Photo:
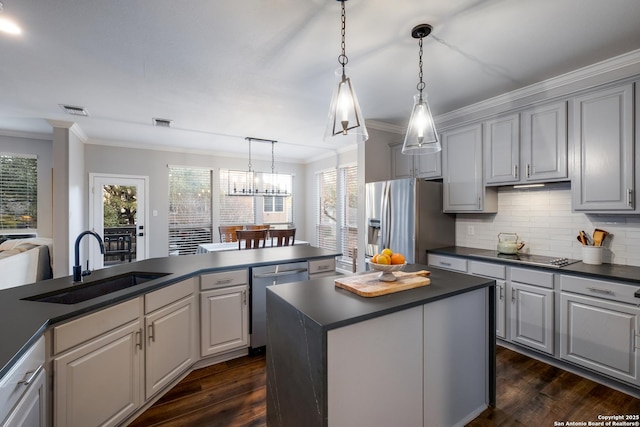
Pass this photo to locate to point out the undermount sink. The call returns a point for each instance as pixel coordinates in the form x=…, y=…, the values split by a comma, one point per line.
x=86, y=291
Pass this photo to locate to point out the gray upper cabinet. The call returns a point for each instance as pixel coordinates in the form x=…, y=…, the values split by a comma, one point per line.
x=428, y=166
x=528, y=147
x=463, y=185
x=502, y=149
x=544, y=143
x=602, y=134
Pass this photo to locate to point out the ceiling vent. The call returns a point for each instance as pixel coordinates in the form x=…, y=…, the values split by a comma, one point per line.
x=75, y=111
x=163, y=123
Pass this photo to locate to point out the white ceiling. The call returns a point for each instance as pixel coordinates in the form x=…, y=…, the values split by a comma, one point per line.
x=225, y=70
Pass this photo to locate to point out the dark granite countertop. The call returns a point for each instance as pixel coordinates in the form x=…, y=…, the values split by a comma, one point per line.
x=331, y=307
x=623, y=273
x=23, y=322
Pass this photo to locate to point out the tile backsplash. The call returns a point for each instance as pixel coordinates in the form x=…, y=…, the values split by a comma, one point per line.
x=542, y=218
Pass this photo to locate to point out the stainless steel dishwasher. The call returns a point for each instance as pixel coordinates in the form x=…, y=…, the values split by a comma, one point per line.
x=261, y=277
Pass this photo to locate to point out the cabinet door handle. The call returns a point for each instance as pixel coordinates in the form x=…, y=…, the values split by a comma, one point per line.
x=515, y=171
x=528, y=170
x=151, y=333
x=244, y=297
x=629, y=193
x=479, y=206
x=501, y=293
x=513, y=295
x=30, y=376
x=139, y=338
x=600, y=290
x=446, y=264
x=223, y=281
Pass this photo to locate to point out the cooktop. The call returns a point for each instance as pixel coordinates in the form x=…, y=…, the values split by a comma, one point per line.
x=546, y=261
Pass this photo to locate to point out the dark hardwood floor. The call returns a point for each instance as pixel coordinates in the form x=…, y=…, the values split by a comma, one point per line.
x=529, y=393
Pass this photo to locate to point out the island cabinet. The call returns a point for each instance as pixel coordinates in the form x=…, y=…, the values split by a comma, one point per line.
x=224, y=312
x=532, y=309
x=463, y=181
x=599, y=327
x=428, y=166
x=431, y=363
x=603, y=136
x=23, y=390
x=108, y=363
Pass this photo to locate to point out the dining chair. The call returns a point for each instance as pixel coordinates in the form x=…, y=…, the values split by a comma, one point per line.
x=252, y=239
x=284, y=237
x=228, y=232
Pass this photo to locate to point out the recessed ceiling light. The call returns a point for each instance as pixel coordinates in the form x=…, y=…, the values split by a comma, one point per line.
x=166, y=123
x=7, y=25
x=74, y=110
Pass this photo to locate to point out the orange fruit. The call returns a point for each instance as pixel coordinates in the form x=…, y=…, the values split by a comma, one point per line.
x=388, y=252
x=384, y=259
x=375, y=259
x=397, y=258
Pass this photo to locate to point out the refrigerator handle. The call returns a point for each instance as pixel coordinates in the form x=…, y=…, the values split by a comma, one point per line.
x=385, y=216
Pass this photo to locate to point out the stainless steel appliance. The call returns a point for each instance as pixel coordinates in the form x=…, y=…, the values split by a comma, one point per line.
x=406, y=216
x=269, y=275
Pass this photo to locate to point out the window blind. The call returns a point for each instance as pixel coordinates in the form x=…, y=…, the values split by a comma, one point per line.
x=18, y=191
x=190, y=220
x=326, y=182
x=348, y=190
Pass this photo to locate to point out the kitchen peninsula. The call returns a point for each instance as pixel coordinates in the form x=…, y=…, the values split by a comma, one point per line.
x=425, y=356
x=110, y=355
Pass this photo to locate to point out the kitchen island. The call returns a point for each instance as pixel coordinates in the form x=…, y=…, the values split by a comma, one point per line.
x=425, y=356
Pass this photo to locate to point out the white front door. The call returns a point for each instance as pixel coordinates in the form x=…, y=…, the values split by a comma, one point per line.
x=118, y=213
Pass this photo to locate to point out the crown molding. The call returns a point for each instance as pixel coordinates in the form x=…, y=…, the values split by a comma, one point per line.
x=73, y=128
x=629, y=61
x=26, y=135
x=386, y=127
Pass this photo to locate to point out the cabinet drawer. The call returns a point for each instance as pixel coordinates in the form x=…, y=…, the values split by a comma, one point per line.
x=450, y=263
x=15, y=383
x=322, y=265
x=532, y=277
x=600, y=288
x=80, y=330
x=487, y=269
x=165, y=296
x=224, y=279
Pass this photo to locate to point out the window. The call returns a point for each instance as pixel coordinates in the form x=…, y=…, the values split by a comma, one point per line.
x=337, y=219
x=18, y=191
x=190, y=220
x=273, y=204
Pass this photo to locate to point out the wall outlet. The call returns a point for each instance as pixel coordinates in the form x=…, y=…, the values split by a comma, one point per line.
x=471, y=230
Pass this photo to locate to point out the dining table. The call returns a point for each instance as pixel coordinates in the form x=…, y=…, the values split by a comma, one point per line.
x=204, y=248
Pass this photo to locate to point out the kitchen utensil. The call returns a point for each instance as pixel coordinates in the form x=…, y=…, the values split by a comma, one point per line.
x=583, y=238
x=508, y=243
x=599, y=236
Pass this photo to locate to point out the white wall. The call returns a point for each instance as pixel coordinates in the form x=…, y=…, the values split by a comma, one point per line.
x=153, y=163
x=43, y=149
x=543, y=219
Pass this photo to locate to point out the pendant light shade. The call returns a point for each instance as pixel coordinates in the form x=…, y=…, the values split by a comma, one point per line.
x=422, y=136
x=345, y=122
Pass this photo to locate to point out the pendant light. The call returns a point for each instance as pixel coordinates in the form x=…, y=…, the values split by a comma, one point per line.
x=345, y=117
x=421, y=137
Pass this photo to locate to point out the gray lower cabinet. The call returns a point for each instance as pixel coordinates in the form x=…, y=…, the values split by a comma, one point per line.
x=603, y=135
x=224, y=319
x=463, y=180
x=599, y=327
x=531, y=312
x=427, y=166
x=499, y=274
x=23, y=390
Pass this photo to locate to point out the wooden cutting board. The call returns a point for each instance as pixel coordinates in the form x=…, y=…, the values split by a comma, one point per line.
x=368, y=285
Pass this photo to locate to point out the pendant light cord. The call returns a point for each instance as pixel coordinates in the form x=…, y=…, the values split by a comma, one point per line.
x=342, y=59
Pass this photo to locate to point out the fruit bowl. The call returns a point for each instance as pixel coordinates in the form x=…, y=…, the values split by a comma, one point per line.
x=386, y=270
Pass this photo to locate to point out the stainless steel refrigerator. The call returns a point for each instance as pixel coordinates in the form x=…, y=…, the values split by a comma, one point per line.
x=406, y=216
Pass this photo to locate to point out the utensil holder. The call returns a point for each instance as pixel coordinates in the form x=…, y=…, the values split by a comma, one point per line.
x=592, y=255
